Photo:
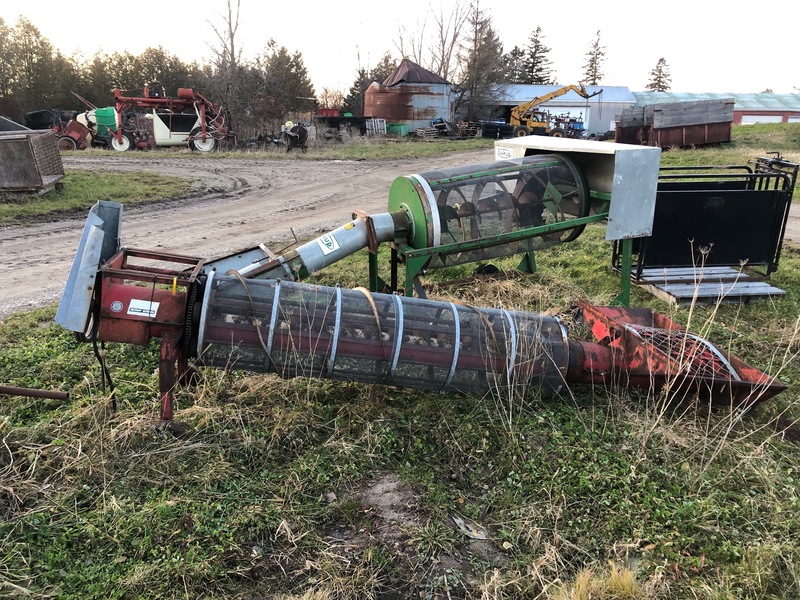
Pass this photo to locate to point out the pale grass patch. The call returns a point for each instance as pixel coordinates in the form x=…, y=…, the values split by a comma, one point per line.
x=313, y=594
x=334, y=574
x=616, y=582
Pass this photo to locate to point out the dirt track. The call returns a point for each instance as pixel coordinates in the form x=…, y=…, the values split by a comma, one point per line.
x=236, y=204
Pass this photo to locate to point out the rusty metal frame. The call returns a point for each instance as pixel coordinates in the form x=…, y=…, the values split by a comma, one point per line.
x=199, y=102
x=173, y=300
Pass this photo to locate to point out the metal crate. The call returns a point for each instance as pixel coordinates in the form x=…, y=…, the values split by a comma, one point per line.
x=29, y=161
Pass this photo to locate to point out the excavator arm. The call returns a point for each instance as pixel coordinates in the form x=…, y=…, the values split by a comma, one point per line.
x=520, y=113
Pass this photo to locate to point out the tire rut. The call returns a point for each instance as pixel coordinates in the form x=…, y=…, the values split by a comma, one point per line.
x=234, y=204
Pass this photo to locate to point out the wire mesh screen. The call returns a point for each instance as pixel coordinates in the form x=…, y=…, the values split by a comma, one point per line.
x=48, y=159
x=29, y=160
x=296, y=329
x=485, y=201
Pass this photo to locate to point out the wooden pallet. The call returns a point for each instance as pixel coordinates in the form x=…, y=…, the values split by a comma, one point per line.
x=427, y=132
x=469, y=129
x=709, y=285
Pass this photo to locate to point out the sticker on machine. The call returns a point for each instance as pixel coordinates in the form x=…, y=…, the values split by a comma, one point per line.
x=327, y=243
x=502, y=153
x=143, y=308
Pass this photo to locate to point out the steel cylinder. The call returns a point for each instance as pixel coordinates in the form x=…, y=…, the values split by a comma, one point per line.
x=332, y=247
x=482, y=202
x=296, y=329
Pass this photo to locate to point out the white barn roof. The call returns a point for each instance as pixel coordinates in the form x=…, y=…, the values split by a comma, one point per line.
x=765, y=101
x=514, y=94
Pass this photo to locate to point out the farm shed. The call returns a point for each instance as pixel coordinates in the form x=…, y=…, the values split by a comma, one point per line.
x=747, y=109
x=599, y=113
x=411, y=96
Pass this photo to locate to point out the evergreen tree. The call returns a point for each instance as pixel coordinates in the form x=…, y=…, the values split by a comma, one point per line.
x=354, y=100
x=385, y=67
x=660, y=80
x=514, y=66
x=593, y=67
x=538, y=68
x=480, y=69
x=283, y=84
x=39, y=70
x=157, y=65
x=7, y=64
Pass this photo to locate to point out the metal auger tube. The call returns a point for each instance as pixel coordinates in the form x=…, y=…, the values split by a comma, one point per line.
x=362, y=232
x=296, y=329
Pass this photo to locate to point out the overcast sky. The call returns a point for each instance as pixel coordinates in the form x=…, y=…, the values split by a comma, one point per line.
x=709, y=45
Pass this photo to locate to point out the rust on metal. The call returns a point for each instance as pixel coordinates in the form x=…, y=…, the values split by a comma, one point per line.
x=660, y=354
x=140, y=302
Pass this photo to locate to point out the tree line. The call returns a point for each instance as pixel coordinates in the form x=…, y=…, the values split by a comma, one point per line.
x=464, y=49
x=258, y=91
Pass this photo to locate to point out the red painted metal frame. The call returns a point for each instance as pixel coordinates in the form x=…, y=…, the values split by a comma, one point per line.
x=186, y=99
x=650, y=351
x=166, y=291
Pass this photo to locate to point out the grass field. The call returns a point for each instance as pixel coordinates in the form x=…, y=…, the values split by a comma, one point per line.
x=319, y=490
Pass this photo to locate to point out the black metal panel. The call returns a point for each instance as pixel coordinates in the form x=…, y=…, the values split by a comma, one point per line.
x=178, y=122
x=735, y=226
x=732, y=184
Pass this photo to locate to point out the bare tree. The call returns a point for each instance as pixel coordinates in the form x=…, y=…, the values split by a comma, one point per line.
x=330, y=98
x=227, y=58
x=227, y=53
x=410, y=43
x=444, y=49
x=440, y=54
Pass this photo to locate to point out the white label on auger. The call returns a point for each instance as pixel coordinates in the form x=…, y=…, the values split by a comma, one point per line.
x=327, y=243
x=143, y=308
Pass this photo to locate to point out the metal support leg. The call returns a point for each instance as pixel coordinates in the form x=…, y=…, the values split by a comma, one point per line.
x=374, y=280
x=624, y=297
x=171, y=358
